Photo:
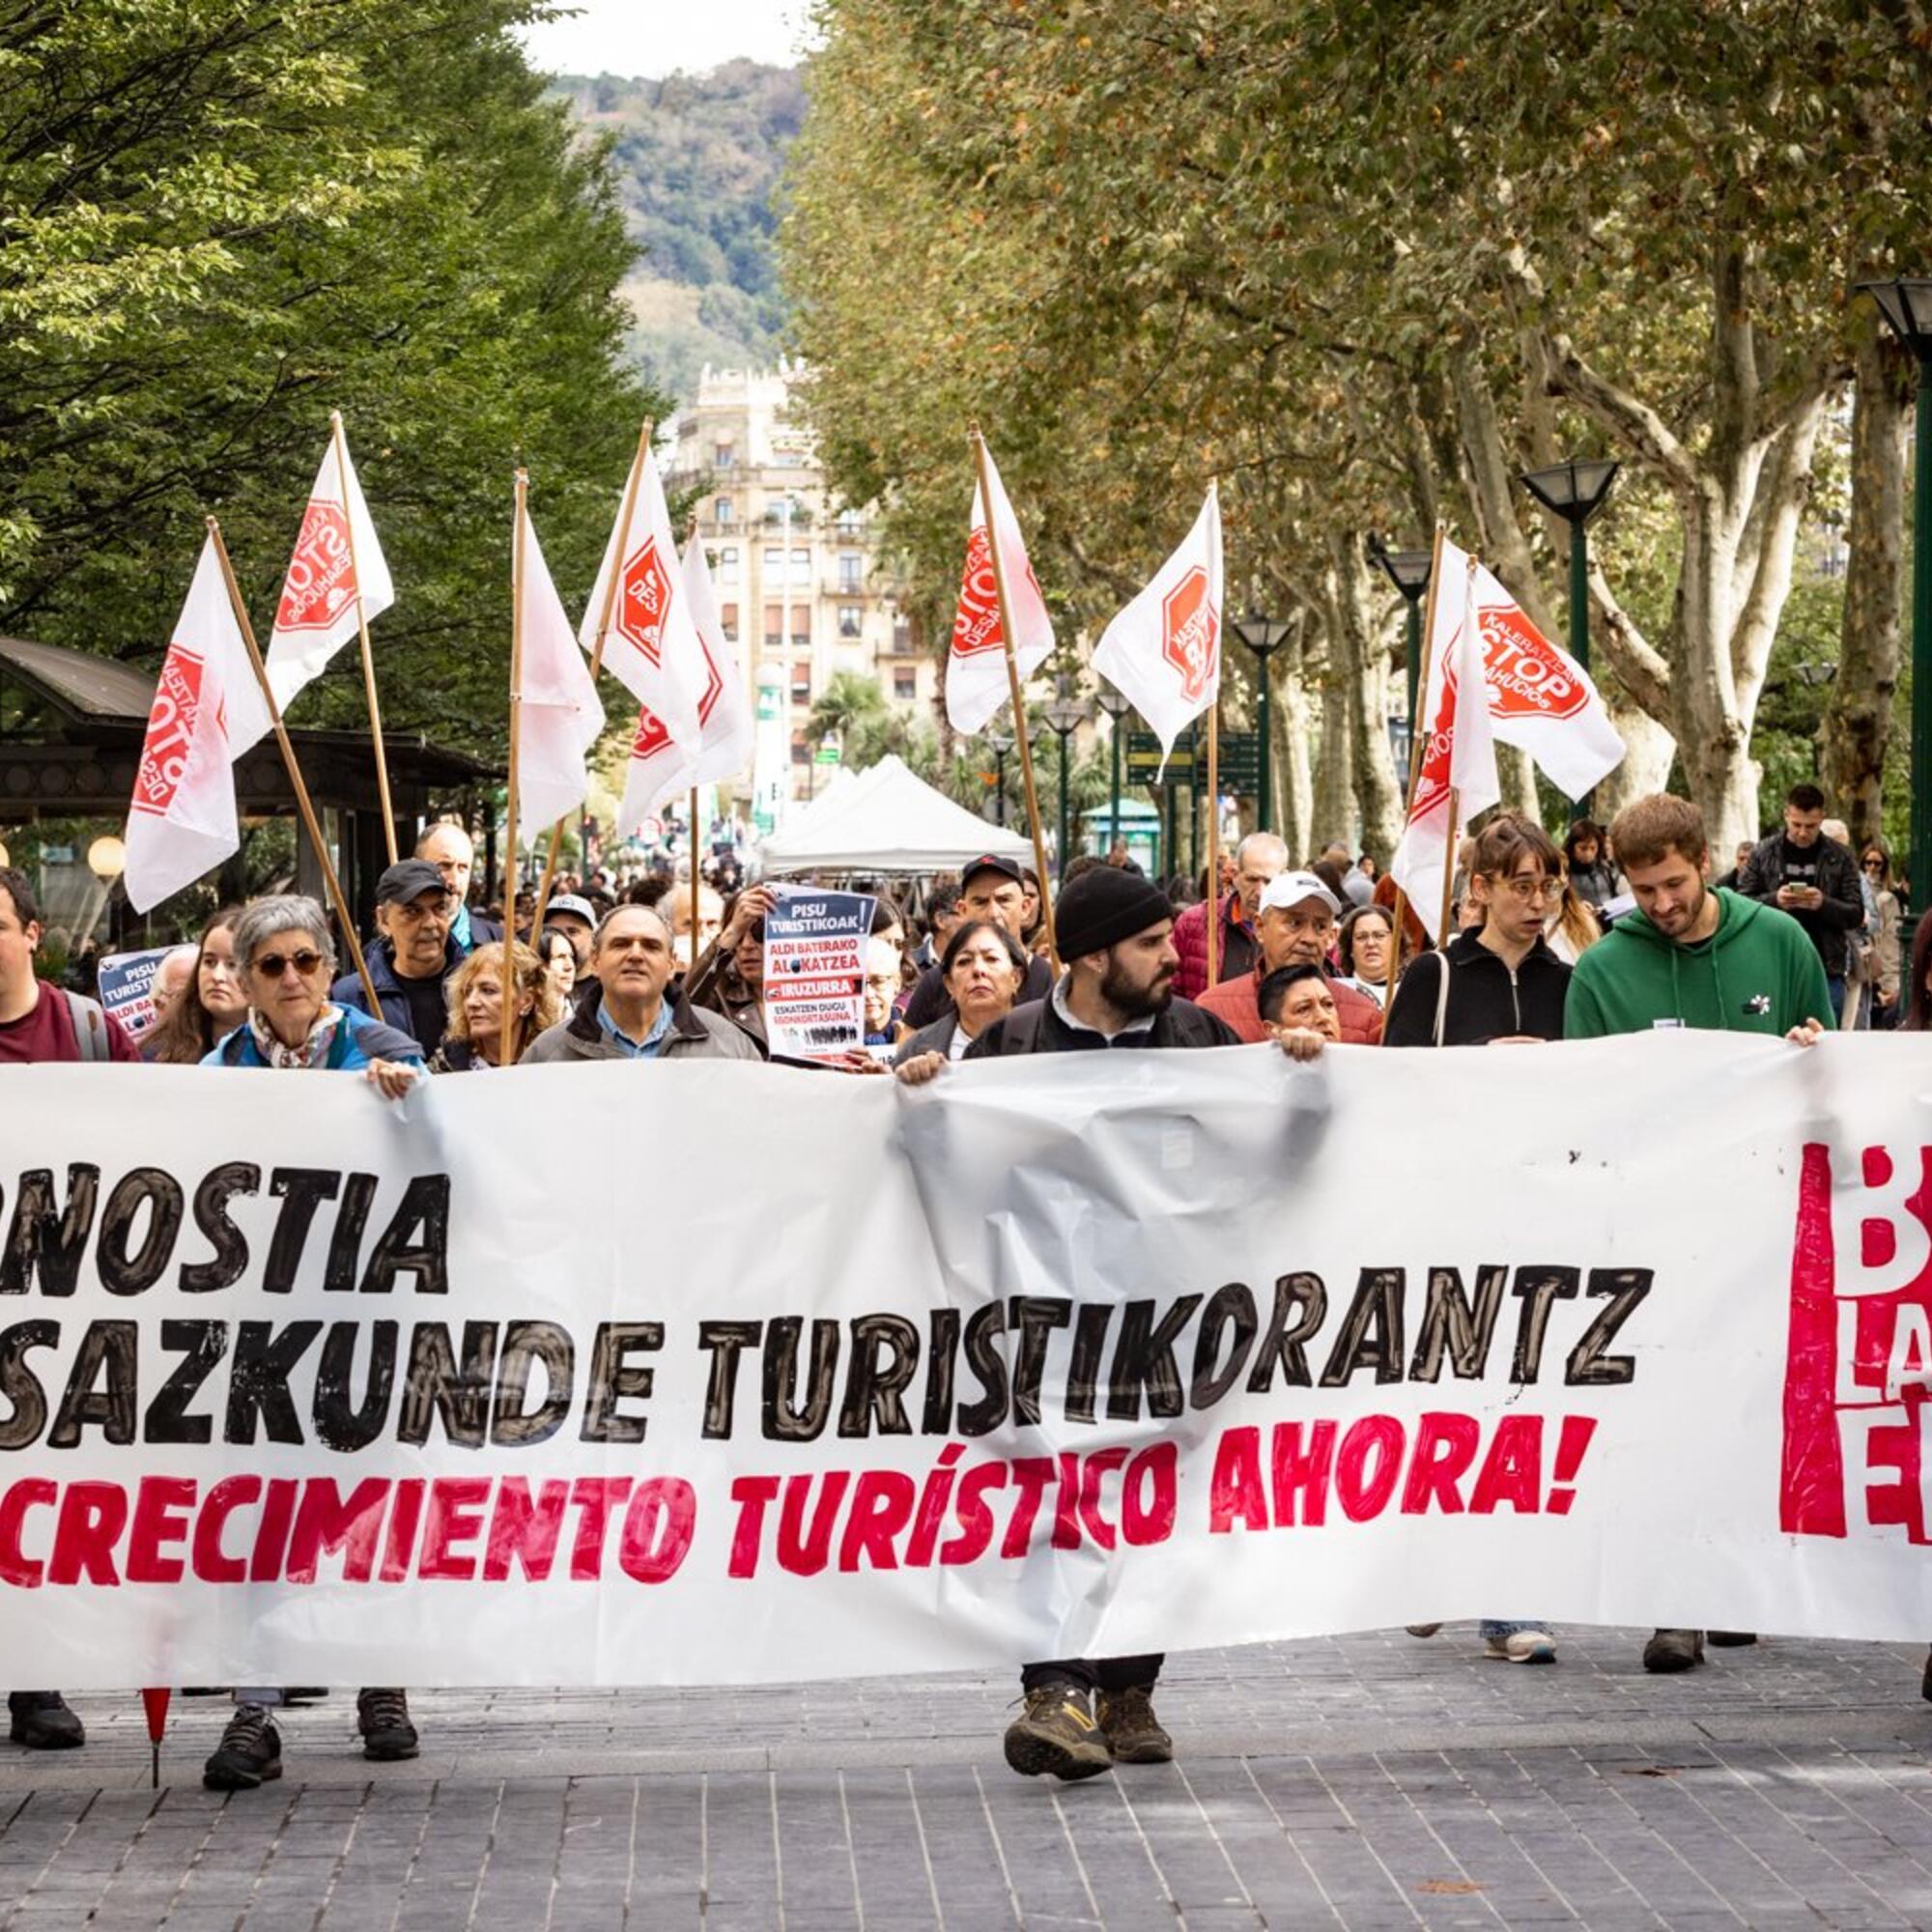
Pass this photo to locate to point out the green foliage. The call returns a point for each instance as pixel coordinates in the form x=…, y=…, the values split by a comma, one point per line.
x=698, y=159
x=220, y=219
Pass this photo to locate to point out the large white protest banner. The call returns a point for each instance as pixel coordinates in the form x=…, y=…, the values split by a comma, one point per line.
x=1099, y=1354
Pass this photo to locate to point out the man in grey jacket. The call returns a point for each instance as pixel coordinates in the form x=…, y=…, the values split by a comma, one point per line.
x=635, y=1014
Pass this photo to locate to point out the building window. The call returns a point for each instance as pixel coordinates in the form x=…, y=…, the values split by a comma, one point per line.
x=849, y=524
x=801, y=749
x=851, y=570
x=724, y=456
x=801, y=628
x=901, y=635
x=723, y=511
x=905, y=682
x=801, y=681
x=801, y=567
x=727, y=564
x=728, y=622
x=775, y=627
x=849, y=615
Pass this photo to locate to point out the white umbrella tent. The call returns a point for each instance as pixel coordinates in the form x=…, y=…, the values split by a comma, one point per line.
x=886, y=820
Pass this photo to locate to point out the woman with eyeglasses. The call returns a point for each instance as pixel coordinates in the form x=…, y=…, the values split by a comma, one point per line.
x=211, y=1004
x=1362, y=945
x=285, y=956
x=1875, y=863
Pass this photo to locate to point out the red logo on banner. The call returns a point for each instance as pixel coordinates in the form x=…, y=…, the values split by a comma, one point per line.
x=1857, y=1378
x=170, y=722
x=644, y=601
x=1432, y=778
x=975, y=627
x=651, y=737
x=321, y=581
x=1189, y=630
x=1526, y=677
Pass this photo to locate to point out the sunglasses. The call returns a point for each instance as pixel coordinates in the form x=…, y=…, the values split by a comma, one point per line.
x=271, y=965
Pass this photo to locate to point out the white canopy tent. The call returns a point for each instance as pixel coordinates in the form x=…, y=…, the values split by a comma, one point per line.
x=886, y=820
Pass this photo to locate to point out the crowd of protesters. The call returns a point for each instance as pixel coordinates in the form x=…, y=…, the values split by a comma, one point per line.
x=1615, y=930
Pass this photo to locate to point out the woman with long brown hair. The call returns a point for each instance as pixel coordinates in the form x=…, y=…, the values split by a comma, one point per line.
x=210, y=1006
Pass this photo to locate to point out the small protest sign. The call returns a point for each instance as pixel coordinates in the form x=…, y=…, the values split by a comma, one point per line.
x=126, y=984
x=815, y=973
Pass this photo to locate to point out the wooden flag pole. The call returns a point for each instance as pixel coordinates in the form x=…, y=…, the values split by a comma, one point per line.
x=597, y=654
x=1213, y=831
x=507, y=978
x=1455, y=797
x=1021, y=735
x=303, y=804
x=1416, y=737
x=368, y=656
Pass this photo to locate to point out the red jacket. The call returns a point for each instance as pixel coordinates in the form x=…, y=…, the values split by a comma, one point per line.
x=1238, y=1002
x=1236, y=951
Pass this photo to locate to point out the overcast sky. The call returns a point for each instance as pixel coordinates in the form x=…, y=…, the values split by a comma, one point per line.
x=659, y=37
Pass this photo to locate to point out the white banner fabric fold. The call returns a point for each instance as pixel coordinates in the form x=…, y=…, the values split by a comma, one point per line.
x=1091, y=1355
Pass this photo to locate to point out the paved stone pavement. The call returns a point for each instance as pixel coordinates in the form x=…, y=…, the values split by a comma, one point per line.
x=1371, y=1781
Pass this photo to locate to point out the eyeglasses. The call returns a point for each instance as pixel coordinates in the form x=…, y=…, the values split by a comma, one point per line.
x=1525, y=890
x=271, y=965
x=1874, y=865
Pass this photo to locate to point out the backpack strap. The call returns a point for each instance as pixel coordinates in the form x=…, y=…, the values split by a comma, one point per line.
x=89, y=1028
x=1441, y=997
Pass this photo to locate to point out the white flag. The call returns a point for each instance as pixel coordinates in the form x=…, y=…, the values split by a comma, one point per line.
x=181, y=822
x=976, y=666
x=725, y=723
x=336, y=556
x=1163, y=652
x=651, y=641
x=1540, y=698
x=558, y=712
x=1457, y=752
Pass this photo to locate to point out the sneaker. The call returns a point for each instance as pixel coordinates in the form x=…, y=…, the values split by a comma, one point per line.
x=1730, y=1640
x=42, y=1721
x=382, y=1716
x=249, y=1755
x=1422, y=1630
x=1522, y=1647
x=1671, y=1650
x=1056, y=1733
x=1133, y=1731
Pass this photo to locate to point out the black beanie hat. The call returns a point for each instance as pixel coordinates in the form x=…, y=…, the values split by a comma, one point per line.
x=1104, y=906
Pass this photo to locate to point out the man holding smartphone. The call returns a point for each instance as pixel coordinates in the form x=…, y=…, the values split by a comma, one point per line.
x=1813, y=878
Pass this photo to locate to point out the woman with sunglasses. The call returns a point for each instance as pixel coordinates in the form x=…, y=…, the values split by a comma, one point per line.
x=285, y=957
x=210, y=1007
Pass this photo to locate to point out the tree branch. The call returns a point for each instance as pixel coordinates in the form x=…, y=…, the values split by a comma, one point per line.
x=1637, y=663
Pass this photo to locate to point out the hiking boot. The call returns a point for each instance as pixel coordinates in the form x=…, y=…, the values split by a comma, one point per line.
x=1730, y=1640
x=1133, y=1731
x=1056, y=1733
x=382, y=1716
x=249, y=1754
x=1671, y=1650
x=1530, y=1646
x=42, y=1721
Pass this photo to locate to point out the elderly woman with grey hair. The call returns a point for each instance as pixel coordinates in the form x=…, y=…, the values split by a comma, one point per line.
x=284, y=958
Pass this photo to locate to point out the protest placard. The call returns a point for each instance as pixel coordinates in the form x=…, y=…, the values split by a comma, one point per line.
x=124, y=983
x=814, y=990
x=1092, y=1354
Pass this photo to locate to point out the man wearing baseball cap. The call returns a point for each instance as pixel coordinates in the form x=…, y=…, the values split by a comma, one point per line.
x=1296, y=926
x=411, y=961
x=993, y=888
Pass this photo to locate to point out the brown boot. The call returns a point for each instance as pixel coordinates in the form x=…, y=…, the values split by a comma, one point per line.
x=1133, y=1732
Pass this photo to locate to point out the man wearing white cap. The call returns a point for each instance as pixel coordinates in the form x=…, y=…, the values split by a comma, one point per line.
x=1296, y=926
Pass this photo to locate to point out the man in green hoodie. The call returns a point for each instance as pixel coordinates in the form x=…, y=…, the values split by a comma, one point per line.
x=1691, y=955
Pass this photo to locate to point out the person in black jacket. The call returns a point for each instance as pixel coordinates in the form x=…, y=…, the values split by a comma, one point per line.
x=412, y=964
x=1499, y=981
x=1115, y=933
x=1814, y=879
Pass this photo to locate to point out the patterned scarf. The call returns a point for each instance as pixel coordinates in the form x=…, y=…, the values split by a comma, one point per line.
x=312, y=1052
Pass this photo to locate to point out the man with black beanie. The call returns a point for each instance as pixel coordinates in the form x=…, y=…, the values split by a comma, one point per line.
x=1115, y=934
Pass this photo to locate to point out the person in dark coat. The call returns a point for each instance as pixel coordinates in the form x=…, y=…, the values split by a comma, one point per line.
x=983, y=967
x=991, y=887
x=412, y=962
x=1813, y=878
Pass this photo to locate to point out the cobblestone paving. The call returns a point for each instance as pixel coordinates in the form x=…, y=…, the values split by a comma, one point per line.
x=1371, y=1781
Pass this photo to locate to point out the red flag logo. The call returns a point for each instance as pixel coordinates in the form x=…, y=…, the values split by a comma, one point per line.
x=1431, y=779
x=320, y=578
x=975, y=627
x=644, y=601
x=171, y=725
x=1526, y=677
x=1189, y=630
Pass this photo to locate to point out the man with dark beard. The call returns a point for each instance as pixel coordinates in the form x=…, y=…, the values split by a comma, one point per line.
x=1115, y=932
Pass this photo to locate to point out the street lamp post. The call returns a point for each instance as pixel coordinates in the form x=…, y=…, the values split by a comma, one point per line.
x=1408, y=571
x=1000, y=744
x=1263, y=636
x=1116, y=707
x=1574, y=490
x=1063, y=717
x=1907, y=305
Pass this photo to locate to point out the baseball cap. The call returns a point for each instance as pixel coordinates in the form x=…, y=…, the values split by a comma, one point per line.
x=1290, y=889
x=570, y=903
x=992, y=862
x=408, y=879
